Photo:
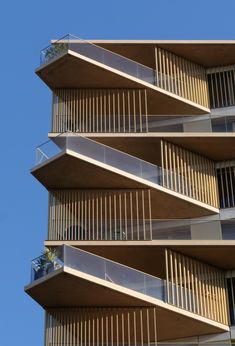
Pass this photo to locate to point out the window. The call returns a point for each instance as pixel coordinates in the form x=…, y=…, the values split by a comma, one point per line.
x=222, y=88
x=226, y=183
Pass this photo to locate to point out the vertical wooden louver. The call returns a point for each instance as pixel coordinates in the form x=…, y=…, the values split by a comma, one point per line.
x=101, y=326
x=99, y=215
x=100, y=110
x=188, y=173
x=196, y=287
x=181, y=77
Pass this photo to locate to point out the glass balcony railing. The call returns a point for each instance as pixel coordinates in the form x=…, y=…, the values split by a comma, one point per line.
x=42, y=265
x=72, y=229
x=70, y=122
x=109, y=58
x=116, y=159
x=101, y=268
x=218, y=124
x=99, y=54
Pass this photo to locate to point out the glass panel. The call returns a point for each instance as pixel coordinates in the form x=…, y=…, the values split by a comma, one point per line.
x=228, y=229
x=177, y=232
x=230, y=124
x=99, y=54
x=54, y=51
x=115, y=158
x=114, y=272
x=218, y=125
x=45, y=264
x=110, y=156
x=85, y=262
x=49, y=149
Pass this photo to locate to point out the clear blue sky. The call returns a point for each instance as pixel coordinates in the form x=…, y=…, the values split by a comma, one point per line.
x=26, y=27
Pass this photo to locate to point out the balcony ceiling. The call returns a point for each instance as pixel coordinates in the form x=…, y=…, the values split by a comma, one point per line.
x=73, y=171
x=205, y=53
x=217, y=147
x=143, y=255
x=72, y=288
x=75, y=71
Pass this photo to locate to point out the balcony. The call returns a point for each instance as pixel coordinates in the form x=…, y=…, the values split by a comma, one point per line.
x=79, y=162
x=101, y=282
x=124, y=111
x=99, y=68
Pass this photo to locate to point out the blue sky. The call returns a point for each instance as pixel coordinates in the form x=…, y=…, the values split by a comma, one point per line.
x=26, y=27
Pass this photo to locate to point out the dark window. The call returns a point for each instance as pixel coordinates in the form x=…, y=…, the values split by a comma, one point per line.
x=221, y=89
x=226, y=184
x=231, y=294
x=228, y=229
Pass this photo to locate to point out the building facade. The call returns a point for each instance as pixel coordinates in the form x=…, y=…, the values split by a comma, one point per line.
x=140, y=172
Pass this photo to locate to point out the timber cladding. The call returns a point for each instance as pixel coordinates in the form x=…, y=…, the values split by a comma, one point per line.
x=196, y=287
x=100, y=110
x=181, y=77
x=189, y=173
x=101, y=326
x=99, y=215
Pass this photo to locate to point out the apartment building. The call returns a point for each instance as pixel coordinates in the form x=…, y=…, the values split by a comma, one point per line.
x=140, y=172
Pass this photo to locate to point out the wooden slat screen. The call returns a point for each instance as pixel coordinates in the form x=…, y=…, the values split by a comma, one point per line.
x=181, y=77
x=99, y=215
x=101, y=326
x=226, y=182
x=100, y=110
x=189, y=173
x=196, y=287
x=221, y=83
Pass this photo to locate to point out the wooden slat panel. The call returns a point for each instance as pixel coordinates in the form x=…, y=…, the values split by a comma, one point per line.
x=99, y=215
x=181, y=77
x=189, y=173
x=101, y=326
x=196, y=286
x=100, y=110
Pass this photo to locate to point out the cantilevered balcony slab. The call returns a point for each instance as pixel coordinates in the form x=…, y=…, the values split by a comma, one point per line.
x=76, y=288
x=69, y=169
x=73, y=70
x=71, y=289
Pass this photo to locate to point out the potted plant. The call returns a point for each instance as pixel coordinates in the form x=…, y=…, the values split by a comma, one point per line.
x=45, y=263
x=50, y=257
x=54, y=50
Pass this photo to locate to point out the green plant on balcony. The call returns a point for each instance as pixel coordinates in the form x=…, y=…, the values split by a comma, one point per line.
x=55, y=50
x=49, y=254
x=46, y=262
